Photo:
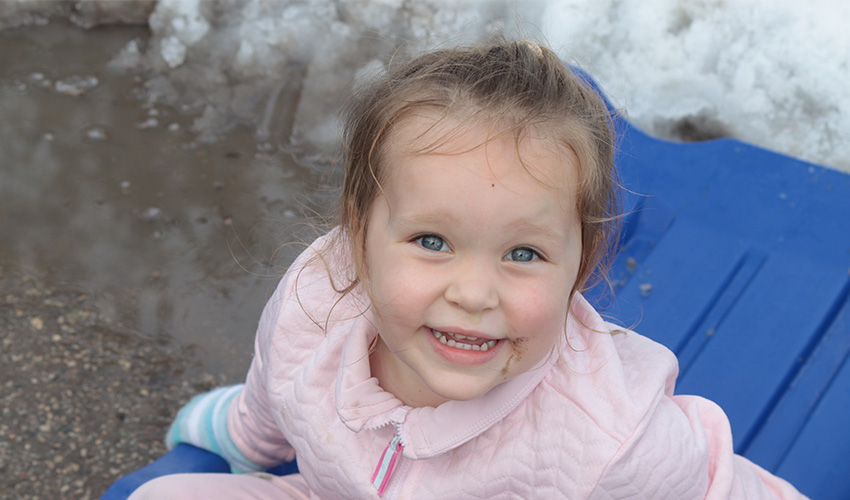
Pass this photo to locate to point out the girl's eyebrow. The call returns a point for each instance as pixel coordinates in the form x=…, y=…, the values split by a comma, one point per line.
x=531, y=228
x=522, y=227
x=418, y=219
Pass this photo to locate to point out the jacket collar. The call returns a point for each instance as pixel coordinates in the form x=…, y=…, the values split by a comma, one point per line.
x=425, y=432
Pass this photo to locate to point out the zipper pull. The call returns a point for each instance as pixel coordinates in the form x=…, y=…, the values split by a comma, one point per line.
x=387, y=463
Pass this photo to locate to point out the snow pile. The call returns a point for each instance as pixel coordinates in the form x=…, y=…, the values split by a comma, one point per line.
x=770, y=72
x=232, y=62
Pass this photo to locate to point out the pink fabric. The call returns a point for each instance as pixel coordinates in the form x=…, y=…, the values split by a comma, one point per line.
x=255, y=486
x=596, y=420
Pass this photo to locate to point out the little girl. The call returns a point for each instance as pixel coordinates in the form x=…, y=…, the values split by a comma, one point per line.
x=436, y=343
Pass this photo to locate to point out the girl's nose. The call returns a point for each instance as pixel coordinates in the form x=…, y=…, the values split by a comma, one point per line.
x=473, y=289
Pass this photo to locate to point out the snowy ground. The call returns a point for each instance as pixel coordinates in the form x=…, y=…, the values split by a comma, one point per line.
x=770, y=72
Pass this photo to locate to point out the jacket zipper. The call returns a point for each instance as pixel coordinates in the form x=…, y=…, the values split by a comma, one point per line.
x=387, y=463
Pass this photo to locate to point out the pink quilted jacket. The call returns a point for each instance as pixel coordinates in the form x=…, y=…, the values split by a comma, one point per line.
x=597, y=420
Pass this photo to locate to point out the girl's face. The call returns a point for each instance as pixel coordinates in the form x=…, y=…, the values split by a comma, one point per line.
x=471, y=260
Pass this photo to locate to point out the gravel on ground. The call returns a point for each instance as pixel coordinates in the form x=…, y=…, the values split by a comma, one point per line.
x=83, y=400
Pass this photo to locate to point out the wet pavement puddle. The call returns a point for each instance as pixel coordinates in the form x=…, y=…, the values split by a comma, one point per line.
x=113, y=195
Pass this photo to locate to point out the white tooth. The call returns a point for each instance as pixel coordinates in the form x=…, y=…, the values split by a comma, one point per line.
x=442, y=340
x=465, y=347
x=492, y=343
x=476, y=347
x=452, y=343
x=484, y=346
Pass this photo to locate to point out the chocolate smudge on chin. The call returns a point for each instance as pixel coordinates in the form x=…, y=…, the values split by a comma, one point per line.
x=519, y=349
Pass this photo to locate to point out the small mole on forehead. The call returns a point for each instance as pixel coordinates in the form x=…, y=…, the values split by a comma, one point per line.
x=493, y=185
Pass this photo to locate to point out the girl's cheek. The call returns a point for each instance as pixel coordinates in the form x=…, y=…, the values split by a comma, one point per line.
x=539, y=309
x=405, y=290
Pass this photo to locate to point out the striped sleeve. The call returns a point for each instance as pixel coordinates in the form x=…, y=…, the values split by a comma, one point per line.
x=203, y=423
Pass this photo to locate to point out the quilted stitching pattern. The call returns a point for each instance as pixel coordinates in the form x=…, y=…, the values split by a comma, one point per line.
x=601, y=425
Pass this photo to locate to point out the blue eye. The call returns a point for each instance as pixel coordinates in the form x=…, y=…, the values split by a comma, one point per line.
x=522, y=254
x=432, y=242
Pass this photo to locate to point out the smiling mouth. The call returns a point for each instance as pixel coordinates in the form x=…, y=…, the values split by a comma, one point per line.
x=464, y=342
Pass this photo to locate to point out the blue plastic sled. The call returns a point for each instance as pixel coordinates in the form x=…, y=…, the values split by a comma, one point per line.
x=738, y=260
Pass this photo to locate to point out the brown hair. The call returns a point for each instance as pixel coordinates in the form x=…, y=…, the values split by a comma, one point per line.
x=518, y=83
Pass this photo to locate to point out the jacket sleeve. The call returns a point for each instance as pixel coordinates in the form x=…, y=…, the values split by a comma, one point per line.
x=251, y=424
x=237, y=422
x=683, y=449
x=251, y=420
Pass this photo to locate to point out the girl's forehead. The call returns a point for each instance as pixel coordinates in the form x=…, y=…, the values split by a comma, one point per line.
x=427, y=132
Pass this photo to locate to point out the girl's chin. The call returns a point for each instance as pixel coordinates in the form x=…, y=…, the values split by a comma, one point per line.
x=453, y=391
